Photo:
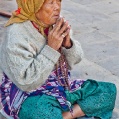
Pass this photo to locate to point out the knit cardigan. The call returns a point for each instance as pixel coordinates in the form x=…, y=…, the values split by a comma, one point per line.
x=26, y=58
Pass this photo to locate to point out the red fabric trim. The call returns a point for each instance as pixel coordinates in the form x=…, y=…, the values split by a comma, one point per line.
x=35, y=26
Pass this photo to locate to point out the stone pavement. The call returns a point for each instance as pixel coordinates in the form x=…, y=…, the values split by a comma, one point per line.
x=95, y=25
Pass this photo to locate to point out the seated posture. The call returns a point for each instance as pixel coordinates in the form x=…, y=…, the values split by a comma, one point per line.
x=36, y=58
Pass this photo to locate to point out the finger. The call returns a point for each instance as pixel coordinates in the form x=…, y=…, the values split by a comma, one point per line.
x=67, y=37
x=52, y=30
x=58, y=25
x=65, y=33
x=69, y=27
x=64, y=28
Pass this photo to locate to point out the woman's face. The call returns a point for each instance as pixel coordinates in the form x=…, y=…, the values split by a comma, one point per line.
x=49, y=12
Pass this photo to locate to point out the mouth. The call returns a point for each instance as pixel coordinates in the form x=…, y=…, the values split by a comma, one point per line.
x=56, y=16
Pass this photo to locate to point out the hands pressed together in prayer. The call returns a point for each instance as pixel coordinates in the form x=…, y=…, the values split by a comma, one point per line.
x=60, y=35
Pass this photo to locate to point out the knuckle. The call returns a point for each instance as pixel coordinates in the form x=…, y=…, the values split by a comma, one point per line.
x=56, y=36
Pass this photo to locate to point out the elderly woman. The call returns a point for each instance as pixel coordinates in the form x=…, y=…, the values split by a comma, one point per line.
x=36, y=58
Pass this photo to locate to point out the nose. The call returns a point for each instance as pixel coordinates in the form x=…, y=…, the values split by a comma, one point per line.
x=56, y=6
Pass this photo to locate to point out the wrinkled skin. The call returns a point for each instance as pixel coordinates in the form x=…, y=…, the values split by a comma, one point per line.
x=49, y=14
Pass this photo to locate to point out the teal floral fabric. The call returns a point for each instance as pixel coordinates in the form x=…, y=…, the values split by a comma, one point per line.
x=95, y=99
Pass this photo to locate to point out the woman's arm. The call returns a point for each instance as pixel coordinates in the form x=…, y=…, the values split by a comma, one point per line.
x=74, y=54
x=27, y=69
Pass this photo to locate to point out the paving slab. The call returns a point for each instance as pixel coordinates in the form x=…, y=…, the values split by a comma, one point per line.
x=97, y=37
x=7, y=5
x=107, y=7
x=101, y=49
x=85, y=2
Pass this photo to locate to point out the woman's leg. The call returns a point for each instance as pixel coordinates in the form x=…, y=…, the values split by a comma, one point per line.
x=40, y=107
x=77, y=112
x=95, y=98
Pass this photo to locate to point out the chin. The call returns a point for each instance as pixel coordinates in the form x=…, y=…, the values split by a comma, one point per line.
x=54, y=21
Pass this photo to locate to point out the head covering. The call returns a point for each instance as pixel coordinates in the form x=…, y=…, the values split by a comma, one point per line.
x=26, y=11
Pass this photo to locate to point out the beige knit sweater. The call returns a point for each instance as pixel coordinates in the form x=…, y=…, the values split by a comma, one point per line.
x=27, y=60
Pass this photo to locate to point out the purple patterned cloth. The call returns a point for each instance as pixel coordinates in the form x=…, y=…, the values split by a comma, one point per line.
x=12, y=97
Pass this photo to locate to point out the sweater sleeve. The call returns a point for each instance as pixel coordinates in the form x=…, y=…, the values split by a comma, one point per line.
x=27, y=69
x=73, y=55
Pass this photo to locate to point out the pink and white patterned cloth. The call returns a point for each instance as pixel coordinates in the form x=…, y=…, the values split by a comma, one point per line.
x=12, y=97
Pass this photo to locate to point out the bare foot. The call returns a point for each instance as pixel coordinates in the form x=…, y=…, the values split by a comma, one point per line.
x=67, y=115
x=77, y=112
